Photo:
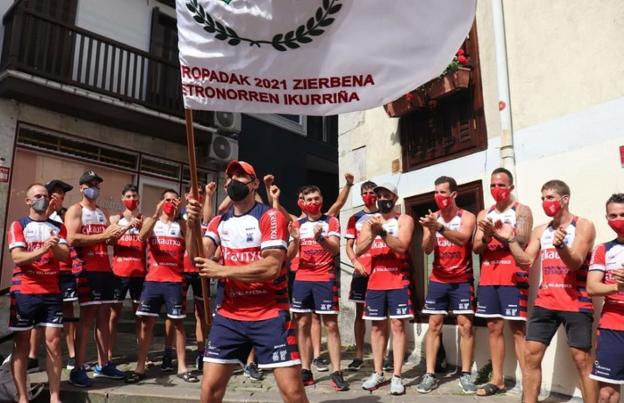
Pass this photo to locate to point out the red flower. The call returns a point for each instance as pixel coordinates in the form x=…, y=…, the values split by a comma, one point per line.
x=460, y=52
x=409, y=97
x=462, y=59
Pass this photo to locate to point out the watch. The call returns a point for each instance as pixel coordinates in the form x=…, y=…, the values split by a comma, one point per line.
x=560, y=246
x=442, y=229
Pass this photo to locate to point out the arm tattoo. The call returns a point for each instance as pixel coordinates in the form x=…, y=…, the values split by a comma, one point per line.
x=524, y=225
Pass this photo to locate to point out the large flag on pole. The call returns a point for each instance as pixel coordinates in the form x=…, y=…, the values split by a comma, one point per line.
x=313, y=57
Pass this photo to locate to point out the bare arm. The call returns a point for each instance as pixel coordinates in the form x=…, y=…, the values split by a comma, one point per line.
x=225, y=205
x=294, y=244
x=524, y=224
x=330, y=243
x=76, y=238
x=428, y=240
x=365, y=239
x=209, y=202
x=526, y=257
x=464, y=233
x=341, y=200
x=265, y=269
x=575, y=255
x=401, y=243
x=596, y=288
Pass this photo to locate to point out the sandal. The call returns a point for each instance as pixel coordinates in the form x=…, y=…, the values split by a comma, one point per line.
x=490, y=389
x=188, y=377
x=135, y=377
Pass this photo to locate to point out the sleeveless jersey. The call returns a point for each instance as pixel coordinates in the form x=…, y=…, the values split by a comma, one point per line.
x=242, y=239
x=129, y=253
x=452, y=263
x=315, y=263
x=607, y=257
x=42, y=275
x=354, y=226
x=562, y=289
x=94, y=257
x=388, y=268
x=498, y=266
x=165, y=253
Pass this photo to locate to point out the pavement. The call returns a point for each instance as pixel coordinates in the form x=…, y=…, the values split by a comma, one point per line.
x=168, y=388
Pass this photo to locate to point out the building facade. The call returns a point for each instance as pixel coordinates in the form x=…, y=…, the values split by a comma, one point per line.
x=545, y=100
x=88, y=84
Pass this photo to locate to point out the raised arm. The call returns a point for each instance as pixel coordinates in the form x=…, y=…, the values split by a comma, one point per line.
x=274, y=196
x=575, y=255
x=209, y=202
x=341, y=200
x=150, y=222
x=365, y=238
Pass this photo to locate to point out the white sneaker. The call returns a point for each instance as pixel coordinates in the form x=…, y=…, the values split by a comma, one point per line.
x=373, y=382
x=396, y=386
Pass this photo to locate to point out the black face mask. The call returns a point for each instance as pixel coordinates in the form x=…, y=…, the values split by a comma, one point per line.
x=385, y=206
x=237, y=190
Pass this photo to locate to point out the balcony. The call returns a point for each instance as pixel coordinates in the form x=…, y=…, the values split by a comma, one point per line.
x=70, y=65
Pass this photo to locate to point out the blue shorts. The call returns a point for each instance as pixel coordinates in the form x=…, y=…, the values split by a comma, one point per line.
x=318, y=296
x=504, y=302
x=95, y=288
x=393, y=304
x=357, y=293
x=449, y=298
x=193, y=281
x=155, y=294
x=69, y=286
x=230, y=341
x=609, y=362
x=134, y=285
x=29, y=310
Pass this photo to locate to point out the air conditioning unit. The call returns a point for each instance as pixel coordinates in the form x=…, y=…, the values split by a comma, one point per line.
x=223, y=148
x=229, y=122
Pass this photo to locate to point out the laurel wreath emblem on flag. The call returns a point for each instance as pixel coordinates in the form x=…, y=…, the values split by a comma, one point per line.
x=303, y=34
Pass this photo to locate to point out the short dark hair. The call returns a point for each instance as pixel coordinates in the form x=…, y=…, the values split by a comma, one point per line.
x=129, y=188
x=447, y=179
x=617, y=198
x=162, y=195
x=503, y=171
x=558, y=186
x=188, y=186
x=367, y=185
x=305, y=190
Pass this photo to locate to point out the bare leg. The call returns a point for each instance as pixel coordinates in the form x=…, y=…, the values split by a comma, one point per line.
x=102, y=339
x=609, y=393
x=497, y=350
x=201, y=328
x=518, y=330
x=303, y=335
x=432, y=341
x=379, y=335
x=583, y=361
x=333, y=340
x=36, y=335
x=69, y=328
x=315, y=334
x=359, y=330
x=115, y=313
x=288, y=381
x=532, y=375
x=145, y=340
x=169, y=334
x=87, y=317
x=252, y=356
x=180, y=345
x=53, y=361
x=398, y=344
x=19, y=363
x=466, y=341
x=214, y=382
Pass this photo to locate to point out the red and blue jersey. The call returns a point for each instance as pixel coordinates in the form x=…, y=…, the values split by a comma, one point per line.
x=388, y=268
x=562, y=289
x=242, y=239
x=165, y=252
x=42, y=275
x=94, y=257
x=498, y=266
x=354, y=226
x=316, y=263
x=607, y=257
x=452, y=263
x=129, y=253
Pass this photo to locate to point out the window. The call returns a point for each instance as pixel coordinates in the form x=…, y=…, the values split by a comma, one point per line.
x=449, y=126
x=470, y=198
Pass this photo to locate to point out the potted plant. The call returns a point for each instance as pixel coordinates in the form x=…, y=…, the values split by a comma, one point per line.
x=407, y=103
x=454, y=78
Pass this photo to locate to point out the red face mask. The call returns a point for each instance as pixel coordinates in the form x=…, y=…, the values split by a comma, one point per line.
x=369, y=199
x=551, y=207
x=168, y=208
x=442, y=201
x=617, y=226
x=312, y=208
x=131, y=204
x=500, y=194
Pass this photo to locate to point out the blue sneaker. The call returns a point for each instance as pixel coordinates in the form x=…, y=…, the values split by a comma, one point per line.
x=108, y=371
x=78, y=377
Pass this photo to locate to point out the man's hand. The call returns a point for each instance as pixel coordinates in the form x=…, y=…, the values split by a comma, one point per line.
x=113, y=231
x=136, y=222
x=559, y=237
x=55, y=204
x=359, y=268
x=618, y=276
x=210, y=189
x=268, y=180
x=52, y=241
x=487, y=226
x=503, y=232
x=318, y=232
x=430, y=221
x=209, y=268
x=293, y=230
x=376, y=224
x=349, y=178
x=275, y=192
x=193, y=211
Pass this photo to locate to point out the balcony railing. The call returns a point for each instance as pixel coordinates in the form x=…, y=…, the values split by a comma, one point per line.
x=37, y=44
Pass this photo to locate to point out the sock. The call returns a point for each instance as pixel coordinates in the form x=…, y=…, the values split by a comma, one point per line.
x=168, y=351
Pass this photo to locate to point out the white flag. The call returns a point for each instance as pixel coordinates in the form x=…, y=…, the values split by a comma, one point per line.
x=313, y=57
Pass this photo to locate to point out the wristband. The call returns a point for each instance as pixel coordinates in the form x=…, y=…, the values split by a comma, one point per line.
x=442, y=229
x=349, y=184
x=383, y=233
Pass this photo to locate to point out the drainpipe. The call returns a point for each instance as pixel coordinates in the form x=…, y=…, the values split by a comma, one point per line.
x=507, y=153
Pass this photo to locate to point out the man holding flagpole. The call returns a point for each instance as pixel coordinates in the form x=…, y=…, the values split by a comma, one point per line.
x=254, y=313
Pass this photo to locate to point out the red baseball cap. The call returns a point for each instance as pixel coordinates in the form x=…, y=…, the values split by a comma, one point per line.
x=242, y=166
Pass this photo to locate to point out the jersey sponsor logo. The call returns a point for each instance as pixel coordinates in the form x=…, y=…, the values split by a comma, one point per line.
x=165, y=241
x=241, y=256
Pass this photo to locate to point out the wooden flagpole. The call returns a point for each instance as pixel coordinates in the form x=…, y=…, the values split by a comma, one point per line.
x=198, y=246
